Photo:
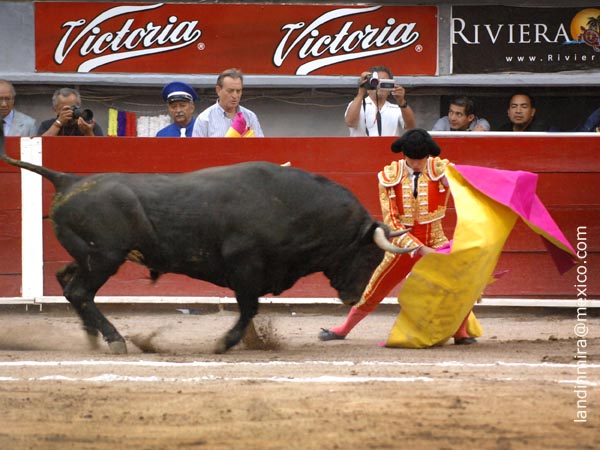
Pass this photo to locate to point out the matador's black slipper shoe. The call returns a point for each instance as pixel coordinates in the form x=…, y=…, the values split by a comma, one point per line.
x=328, y=335
x=465, y=341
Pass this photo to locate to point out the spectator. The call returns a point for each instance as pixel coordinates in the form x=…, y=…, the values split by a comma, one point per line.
x=522, y=114
x=14, y=123
x=70, y=119
x=461, y=117
x=371, y=114
x=180, y=98
x=592, y=123
x=413, y=193
x=216, y=120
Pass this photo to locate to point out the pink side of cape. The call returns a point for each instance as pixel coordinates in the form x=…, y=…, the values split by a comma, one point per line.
x=516, y=190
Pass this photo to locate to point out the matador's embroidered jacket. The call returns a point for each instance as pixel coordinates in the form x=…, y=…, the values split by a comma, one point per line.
x=422, y=214
x=402, y=210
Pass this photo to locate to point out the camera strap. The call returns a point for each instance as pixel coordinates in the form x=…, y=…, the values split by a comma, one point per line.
x=377, y=117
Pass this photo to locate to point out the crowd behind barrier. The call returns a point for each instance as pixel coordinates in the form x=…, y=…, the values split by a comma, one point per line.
x=70, y=107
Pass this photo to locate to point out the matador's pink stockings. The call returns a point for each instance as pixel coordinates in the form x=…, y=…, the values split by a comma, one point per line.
x=354, y=316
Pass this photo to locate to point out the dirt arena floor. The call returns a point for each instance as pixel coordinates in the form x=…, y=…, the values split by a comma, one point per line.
x=517, y=388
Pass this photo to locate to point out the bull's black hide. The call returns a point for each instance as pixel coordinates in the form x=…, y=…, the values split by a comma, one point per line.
x=254, y=227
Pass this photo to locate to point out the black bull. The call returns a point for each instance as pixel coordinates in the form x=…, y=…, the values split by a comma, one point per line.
x=254, y=227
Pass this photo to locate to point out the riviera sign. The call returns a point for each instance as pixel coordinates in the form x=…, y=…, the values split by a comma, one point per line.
x=499, y=39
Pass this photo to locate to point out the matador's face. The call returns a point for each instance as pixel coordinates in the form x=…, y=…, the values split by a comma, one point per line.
x=418, y=165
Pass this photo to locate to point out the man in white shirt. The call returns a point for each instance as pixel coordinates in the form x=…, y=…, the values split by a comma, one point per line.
x=216, y=120
x=371, y=114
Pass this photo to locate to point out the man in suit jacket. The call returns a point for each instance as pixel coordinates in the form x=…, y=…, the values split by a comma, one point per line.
x=14, y=122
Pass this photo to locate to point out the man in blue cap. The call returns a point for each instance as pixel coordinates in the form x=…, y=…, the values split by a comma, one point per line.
x=180, y=98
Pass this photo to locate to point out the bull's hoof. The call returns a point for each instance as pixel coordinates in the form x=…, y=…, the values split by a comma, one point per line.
x=118, y=347
x=221, y=346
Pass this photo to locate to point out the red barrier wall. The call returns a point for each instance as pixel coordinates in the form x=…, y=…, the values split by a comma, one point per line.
x=569, y=186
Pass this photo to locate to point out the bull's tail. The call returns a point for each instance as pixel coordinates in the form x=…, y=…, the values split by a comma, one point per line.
x=58, y=179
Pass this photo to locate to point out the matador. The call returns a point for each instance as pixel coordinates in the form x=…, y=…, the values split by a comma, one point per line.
x=413, y=193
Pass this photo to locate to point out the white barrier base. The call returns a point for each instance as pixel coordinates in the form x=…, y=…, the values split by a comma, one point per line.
x=518, y=302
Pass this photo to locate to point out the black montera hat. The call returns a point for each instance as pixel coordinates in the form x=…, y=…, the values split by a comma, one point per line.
x=416, y=144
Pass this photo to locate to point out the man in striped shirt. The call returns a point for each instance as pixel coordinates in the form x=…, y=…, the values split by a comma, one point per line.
x=216, y=120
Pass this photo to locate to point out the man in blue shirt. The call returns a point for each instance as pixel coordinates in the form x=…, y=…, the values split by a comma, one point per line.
x=180, y=98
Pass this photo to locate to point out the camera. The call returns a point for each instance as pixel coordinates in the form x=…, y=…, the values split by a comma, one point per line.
x=386, y=85
x=372, y=81
x=86, y=114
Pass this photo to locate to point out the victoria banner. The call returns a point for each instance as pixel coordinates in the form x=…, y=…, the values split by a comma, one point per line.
x=491, y=39
x=262, y=39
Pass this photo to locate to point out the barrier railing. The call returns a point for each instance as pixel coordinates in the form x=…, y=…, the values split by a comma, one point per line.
x=569, y=185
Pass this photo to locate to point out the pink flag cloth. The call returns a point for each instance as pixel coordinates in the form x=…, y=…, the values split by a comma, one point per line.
x=239, y=123
x=239, y=127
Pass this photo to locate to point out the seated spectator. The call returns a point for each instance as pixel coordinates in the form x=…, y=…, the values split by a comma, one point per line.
x=70, y=119
x=14, y=123
x=522, y=114
x=217, y=120
x=461, y=117
x=592, y=123
x=180, y=98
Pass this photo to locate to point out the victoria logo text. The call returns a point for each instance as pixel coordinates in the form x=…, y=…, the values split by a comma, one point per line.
x=132, y=40
x=307, y=41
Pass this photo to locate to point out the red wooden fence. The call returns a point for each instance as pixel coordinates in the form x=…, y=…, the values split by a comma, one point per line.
x=569, y=186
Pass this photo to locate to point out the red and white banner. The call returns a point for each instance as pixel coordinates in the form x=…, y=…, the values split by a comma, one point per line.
x=259, y=39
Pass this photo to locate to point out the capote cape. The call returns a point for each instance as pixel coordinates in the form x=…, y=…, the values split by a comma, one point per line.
x=443, y=286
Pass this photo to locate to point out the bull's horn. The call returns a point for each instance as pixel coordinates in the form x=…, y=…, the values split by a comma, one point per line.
x=399, y=232
x=384, y=244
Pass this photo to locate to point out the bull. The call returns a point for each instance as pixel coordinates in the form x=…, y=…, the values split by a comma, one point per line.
x=254, y=227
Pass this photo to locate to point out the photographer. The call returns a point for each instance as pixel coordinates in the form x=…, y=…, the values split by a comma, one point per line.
x=70, y=119
x=371, y=114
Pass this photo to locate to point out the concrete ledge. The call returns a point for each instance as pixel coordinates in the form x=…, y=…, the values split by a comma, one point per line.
x=569, y=79
x=496, y=302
